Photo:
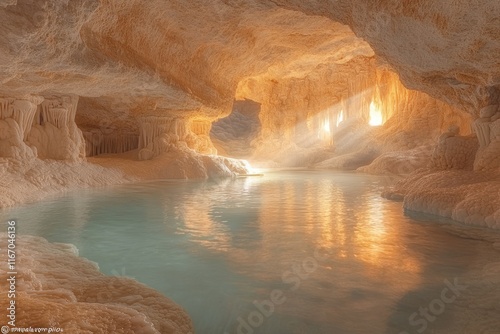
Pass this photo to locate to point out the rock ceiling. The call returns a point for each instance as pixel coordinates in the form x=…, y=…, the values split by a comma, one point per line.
x=187, y=57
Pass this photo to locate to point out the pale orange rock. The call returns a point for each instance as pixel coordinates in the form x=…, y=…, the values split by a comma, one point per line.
x=341, y=84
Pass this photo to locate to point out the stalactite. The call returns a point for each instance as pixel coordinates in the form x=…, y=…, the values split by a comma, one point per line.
x=56, y=116
x=6, y=109
x=482, y=129
x=99, y=143
x=60, y=112
x=159, y=134
x=54, y=132
x=22, y=111
x=17, y=116
x=179, y=128
x=152, y=127
x=201, y=127
x=71, y=104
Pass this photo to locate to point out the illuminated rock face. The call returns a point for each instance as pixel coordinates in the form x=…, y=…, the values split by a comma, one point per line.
x=455, y=152
x=356, y=112
x=446, y=49
x=103, y=92
x=341, y=84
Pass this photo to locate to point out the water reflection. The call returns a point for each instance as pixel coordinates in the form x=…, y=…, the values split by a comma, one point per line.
x=264, y=226
x=216, y=247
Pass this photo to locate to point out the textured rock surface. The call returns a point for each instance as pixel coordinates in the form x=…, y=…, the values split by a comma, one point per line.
x=455, y=152
x=235, y=135
x=465, y=196
x=183, y=59
x=448, y=49
x=55, y=286
x=332, y=107
x=188, y=58
x=29, y=181
x=152, y=77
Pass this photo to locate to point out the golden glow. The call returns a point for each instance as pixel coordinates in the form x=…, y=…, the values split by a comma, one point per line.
x=325, y=220
x=340, y=117
x=287, y=221
x=326, y=126
x=201, y=224
x=376, y=118
x=322, y=128
x=249, y=167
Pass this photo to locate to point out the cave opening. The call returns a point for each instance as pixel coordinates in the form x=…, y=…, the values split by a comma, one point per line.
x=233, y=136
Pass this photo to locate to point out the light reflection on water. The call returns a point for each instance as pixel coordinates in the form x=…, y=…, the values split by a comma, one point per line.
x=216, y=247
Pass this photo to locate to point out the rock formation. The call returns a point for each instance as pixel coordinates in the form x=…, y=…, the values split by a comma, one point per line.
x=58, y=289
x=374, y=85
x=98, y=92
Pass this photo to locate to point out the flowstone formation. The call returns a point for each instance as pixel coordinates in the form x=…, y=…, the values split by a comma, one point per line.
x=463, y=180
x=161, y=134
x=383, y=87
x=43, y=128
x=16, y=120
x=104, y=92
x=55, y=133
x=57, y=289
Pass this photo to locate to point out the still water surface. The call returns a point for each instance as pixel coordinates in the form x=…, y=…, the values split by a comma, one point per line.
x=290, y=252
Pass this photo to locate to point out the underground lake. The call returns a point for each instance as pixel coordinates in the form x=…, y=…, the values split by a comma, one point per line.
x=292, y=251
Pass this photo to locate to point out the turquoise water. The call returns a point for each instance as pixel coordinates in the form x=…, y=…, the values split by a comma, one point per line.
x=289, y=252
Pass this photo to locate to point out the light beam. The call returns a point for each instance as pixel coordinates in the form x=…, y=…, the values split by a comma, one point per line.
x=376, y=118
